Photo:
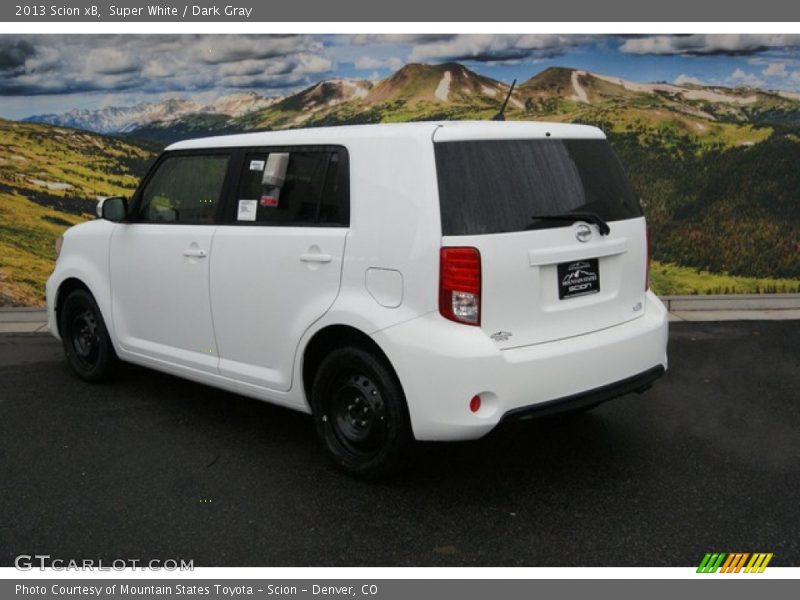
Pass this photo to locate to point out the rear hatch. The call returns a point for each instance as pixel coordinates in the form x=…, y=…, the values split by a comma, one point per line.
x=544, y=279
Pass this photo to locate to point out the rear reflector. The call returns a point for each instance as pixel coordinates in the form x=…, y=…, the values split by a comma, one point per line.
x=460, y=285
x=475, y=404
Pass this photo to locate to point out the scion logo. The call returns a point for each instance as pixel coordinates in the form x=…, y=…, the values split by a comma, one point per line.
x=734, y=562
x=583, y=233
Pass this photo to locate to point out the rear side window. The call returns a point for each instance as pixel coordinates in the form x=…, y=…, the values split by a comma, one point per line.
x=184, y=190
x=309, y=187
x=496, y=186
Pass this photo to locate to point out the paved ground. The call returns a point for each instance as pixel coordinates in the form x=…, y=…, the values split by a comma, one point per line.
x=155, y=467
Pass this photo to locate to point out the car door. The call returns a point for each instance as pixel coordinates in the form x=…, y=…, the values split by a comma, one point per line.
x=160, y=262
x=277, y=260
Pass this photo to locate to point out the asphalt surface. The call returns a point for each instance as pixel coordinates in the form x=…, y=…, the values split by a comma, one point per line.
x=152, y=466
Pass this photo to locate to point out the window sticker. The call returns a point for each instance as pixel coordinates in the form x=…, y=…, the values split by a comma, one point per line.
x=269, y=201
x=257, y=165
x=247, y=210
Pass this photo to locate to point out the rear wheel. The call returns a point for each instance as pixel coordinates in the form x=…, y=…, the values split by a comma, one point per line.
x=83, y=332
x=360, y=412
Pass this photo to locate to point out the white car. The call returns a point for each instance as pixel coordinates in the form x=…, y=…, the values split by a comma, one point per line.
x=419, y=281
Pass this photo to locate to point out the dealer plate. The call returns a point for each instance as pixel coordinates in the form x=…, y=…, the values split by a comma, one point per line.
x=578, y=278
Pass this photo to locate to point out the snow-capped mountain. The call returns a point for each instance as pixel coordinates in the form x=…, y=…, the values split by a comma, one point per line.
x=116, y=119
x=238, y=104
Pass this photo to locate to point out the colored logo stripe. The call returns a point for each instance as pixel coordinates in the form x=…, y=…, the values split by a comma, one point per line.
x=734, y=562
x=711, y=562
x=758, y=563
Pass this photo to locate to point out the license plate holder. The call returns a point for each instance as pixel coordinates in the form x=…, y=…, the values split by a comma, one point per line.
x=578, y=278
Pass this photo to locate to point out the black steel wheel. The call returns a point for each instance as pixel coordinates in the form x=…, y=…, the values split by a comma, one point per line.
x=358, y=415
x=85, y=338
x=360, y=412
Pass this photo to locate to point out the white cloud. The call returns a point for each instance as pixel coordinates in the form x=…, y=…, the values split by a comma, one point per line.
x=110, y=61
x=308, y=64
x=245, y=68
x=739, y=77
x=156, y=69
x=217, y=49
x=366, y=63
x=775, y=70
x=708, y=43
x=683, y=79
x=494, y=48
x=39, y=64
x=367, y=39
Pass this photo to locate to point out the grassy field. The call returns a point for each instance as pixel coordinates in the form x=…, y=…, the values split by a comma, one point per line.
x=50, y=179
x=27, y=236
x=672, y=280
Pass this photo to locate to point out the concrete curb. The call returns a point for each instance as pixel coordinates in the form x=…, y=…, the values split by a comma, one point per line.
x=740, y=307
x=733, y=302
x=744, y=307
x=23, y=320
x=22, y=315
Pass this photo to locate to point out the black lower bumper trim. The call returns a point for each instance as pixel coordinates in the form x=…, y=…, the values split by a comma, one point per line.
x=637, y=383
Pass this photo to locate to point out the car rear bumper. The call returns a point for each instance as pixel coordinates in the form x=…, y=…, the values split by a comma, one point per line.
x=442, y=365
x=637, y=383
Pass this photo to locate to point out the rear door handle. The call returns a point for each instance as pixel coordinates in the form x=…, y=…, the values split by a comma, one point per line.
x=195, y=252
x=316, y=257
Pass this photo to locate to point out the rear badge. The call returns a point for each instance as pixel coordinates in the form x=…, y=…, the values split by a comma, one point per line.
x=501, y=336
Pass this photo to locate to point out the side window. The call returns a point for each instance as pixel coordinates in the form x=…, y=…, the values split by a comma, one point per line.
x=184, y=190
x=301, y=187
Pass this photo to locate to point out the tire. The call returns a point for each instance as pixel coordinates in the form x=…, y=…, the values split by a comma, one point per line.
x=360, y=413
x=85, y=338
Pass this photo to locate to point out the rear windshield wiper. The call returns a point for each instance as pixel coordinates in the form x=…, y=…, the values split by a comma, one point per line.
x=589, y=217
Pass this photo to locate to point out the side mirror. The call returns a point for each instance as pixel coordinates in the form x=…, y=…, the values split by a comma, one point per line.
x=113, y=209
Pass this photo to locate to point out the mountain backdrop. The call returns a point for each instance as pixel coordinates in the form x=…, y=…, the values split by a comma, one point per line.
x=715, y=167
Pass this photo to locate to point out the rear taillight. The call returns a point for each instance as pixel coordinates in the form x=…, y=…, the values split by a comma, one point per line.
x=647, y=267
x=460, y=285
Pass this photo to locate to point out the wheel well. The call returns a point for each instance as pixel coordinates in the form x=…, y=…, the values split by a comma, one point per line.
x=67, y=286
x=330, y=338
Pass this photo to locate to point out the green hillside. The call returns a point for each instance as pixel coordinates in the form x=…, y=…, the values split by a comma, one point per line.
x=191, y=126
x=734, y=210
x=50, y=179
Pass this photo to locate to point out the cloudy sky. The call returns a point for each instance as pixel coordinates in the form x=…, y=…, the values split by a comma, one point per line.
x=52, y=73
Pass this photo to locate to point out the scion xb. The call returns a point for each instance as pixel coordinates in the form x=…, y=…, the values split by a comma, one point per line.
x=422, y=281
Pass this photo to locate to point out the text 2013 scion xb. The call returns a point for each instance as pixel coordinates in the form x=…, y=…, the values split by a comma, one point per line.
x=419, y=281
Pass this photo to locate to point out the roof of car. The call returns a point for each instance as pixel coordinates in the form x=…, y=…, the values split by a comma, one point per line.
x=440, y=131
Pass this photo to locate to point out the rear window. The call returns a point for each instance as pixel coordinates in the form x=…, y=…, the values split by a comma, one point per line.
x=497, y=186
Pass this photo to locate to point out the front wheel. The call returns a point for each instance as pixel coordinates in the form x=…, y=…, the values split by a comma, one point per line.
x=86, y=343
x=360, y=412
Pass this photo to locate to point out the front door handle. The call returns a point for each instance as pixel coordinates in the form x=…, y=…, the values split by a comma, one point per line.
x=316, y=257
x=194, y=253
